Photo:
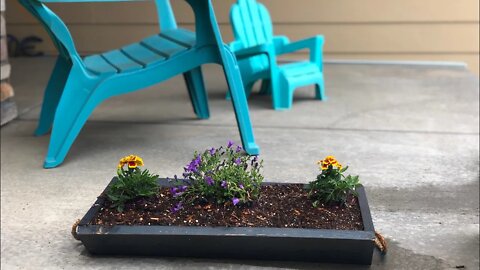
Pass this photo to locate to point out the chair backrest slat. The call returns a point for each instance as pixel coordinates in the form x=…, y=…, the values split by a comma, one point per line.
x=251, y=23
x=60, y=34
x=267, y=26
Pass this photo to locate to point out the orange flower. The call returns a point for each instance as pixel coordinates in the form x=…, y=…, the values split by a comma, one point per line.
x=329, y=161
x=132, y=161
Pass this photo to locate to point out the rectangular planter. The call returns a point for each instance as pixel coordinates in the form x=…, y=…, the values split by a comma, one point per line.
x=334, y=246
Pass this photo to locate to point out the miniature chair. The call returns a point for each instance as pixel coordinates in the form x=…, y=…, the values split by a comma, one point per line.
x=78, y=85
x=256, y=49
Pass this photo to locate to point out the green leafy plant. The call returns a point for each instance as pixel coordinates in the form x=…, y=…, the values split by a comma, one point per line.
x=223, y=175
x=132, y=182
x=331, y=186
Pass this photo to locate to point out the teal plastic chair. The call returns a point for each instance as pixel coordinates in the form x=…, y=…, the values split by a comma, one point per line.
x=257, y=49
x=77, y=85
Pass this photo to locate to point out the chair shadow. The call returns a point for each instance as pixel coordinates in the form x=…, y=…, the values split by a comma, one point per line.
x=88, y=142
x=262, y=101
x=255, y=100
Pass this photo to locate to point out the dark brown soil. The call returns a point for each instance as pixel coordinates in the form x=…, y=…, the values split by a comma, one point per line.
x=285, y=206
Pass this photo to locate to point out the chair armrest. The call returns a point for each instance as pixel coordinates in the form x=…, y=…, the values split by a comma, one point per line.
x=256, y=50
x=314, y=44
x=309, y=43
x=280, y=41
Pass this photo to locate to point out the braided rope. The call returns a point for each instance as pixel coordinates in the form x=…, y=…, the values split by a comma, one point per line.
x=380, y=243
x=74, y=229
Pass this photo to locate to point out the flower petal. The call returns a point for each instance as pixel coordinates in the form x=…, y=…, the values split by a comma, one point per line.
x=235, y=201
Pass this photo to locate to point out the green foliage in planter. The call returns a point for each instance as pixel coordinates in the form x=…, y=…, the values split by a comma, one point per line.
x=223, y=175
x=132, y=183
x=331, y=186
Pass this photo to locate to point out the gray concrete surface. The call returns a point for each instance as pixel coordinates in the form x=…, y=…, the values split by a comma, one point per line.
x=411, y=133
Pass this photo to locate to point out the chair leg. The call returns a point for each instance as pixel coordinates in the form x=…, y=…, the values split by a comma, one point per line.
x=282, y=95
x=76, y=104
x=52, y=95
x=320, y=90
x=197, y=93
x=248, y=91
x=239, y=101
x=283, y=103
x=265, y=89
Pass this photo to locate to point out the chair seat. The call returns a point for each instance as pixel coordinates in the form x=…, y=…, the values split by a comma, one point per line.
x=300, y=69
x=301, y=73
x=153, y=49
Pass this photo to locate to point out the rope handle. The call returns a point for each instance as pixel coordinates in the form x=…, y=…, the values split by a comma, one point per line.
x=74, y=229
x=380, y=243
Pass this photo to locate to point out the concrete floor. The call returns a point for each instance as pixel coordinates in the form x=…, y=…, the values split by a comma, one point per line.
x=410, y=132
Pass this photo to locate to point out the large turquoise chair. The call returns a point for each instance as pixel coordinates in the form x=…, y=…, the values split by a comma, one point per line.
x=257, y=49
x=77, y=85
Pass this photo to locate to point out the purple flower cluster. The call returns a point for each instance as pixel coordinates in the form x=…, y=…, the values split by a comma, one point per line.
x=209, y=180
x=178, y=191
x=223, y=174
x=235, y=201
x=177, y=207
x=224, y=184
x=193, y=166
x=238, y=161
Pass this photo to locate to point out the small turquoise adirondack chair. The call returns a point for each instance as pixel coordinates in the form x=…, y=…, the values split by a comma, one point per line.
x=257, y=49
x=77, y=85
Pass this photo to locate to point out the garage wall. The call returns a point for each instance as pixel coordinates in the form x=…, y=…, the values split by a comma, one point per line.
x=442, y=30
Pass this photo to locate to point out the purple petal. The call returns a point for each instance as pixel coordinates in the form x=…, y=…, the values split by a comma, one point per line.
x=239, y=148
x=177, y=207
x=209, y=180
x=178, y=194
x=224, y=184
x=235, y=201
x=241, y=186
x=238, y=161
x=230, y=144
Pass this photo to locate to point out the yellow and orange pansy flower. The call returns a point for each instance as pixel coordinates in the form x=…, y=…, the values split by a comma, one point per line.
x=132, y=161
x=329, y=161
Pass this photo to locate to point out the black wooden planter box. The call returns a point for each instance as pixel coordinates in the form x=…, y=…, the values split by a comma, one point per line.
x=337, y=246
